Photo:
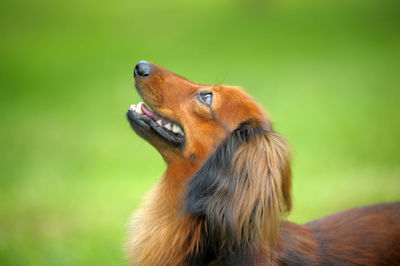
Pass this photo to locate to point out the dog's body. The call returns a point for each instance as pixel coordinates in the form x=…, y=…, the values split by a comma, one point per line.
x=227, y=188
x=361, y=236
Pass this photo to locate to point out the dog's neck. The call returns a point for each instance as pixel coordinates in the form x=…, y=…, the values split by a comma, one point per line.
x=177, y=174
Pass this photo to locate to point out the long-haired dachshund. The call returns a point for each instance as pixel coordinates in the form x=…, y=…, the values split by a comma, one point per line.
x=227, y=188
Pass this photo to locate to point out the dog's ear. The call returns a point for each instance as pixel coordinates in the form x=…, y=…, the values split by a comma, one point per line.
x=243, y=188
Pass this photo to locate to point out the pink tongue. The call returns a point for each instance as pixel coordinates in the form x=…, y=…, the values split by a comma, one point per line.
x=150, y=113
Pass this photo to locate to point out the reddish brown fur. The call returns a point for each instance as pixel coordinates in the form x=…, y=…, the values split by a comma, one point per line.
x=163, y=233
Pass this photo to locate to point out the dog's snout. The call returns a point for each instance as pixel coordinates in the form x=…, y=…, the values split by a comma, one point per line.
x=142, y=69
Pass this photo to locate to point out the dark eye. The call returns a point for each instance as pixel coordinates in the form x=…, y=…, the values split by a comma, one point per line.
x=205, y=97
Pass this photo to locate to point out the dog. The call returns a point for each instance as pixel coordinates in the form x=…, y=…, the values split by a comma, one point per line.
x=226, y=191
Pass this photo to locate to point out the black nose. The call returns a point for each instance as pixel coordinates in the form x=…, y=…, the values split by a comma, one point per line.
x=142, y=69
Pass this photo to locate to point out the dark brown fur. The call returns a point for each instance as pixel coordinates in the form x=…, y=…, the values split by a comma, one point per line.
x=226, y=190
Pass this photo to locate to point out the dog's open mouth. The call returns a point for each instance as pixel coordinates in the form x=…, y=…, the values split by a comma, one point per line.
x=141, y=115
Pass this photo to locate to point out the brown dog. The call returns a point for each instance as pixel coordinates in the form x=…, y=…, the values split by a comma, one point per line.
x=226, y=190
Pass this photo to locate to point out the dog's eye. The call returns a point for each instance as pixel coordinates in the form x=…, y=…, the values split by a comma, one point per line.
x=205, y=97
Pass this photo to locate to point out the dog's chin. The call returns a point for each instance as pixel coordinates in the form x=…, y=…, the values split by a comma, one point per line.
x=154, y=128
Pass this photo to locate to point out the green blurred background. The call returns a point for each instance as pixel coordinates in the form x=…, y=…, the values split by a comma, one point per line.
x=72, y=170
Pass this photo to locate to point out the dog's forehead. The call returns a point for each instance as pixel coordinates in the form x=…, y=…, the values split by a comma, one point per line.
x=232, y=106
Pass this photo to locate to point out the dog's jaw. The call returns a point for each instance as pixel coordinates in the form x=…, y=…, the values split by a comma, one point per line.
x=144, y=119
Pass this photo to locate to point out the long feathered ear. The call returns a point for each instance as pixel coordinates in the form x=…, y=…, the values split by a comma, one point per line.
x=243, y=189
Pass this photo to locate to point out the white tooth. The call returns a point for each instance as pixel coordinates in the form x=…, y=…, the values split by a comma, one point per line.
x=159, y=122
x=133, y=107
x=176, y=128
x=139, y=108
x=180, y=131
x=168, y=126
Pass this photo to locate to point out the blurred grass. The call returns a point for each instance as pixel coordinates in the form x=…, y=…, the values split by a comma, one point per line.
x=72, y=171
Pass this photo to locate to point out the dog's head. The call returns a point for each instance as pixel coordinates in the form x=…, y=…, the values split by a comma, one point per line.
x=186, y=120
x=242, y=180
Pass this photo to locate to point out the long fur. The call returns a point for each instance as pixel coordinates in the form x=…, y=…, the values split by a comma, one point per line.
x=241, y=192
